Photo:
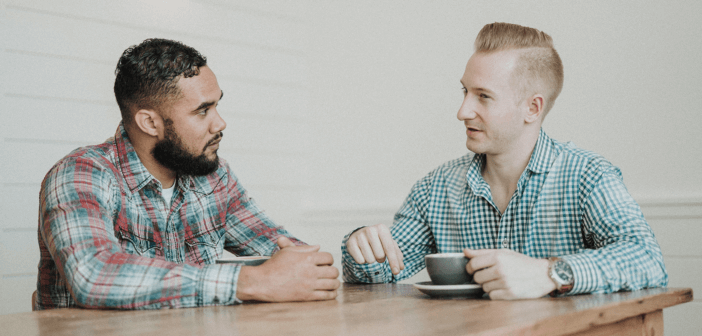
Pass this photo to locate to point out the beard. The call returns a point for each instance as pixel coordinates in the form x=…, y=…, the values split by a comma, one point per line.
x=172, y=154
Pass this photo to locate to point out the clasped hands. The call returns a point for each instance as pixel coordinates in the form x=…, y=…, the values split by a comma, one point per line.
x=504, y=274
x=295, y=273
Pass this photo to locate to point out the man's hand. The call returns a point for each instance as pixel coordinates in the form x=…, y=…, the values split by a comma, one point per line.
x=375, y=243
x=295, y=273
x=508, y=275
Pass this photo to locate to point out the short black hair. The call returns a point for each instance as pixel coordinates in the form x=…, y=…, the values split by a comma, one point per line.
x=147, y=74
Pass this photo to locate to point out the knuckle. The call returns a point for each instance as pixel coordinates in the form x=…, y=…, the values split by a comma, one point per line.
x=372, y=230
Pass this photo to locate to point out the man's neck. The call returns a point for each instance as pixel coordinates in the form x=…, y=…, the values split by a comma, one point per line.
x=502, y=171
x=143, y=144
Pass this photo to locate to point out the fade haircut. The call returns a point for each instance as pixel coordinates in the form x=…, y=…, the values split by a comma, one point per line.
x=539, y=68
x=147, y=75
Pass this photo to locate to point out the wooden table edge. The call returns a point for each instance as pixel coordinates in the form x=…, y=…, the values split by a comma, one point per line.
x=601, y=316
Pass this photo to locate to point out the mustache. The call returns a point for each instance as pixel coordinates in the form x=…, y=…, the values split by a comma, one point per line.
x=215, y=139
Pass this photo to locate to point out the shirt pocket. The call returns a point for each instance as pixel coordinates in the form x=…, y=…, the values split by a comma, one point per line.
x=136, y=236
x=206, y=247
x=132, y=243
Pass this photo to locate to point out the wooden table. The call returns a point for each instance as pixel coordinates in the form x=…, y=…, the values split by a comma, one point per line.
x=382, y=309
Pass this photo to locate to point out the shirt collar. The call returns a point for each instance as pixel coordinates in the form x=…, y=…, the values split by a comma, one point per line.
x=137, y=176
x=134, y=172
x=542, y=157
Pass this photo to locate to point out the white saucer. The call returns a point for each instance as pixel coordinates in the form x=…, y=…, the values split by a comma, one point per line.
x=247, y=261
x=430, y=289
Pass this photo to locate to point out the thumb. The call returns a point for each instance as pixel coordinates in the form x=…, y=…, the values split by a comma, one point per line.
x=470, y=253
x=284, y=242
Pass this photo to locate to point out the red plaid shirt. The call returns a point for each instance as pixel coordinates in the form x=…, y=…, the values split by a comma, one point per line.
x=109, y=240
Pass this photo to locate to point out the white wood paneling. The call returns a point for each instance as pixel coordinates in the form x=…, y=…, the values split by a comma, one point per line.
x=678, y=236
x=19, y=249
x=262, y=99
x=18, y=205
x=16, y=293
x=37, y=118
x=683, y=320
x=196, y=19
x=41, y=76
x=29, y=161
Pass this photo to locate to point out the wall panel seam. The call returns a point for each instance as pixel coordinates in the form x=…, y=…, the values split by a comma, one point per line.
x=160, y=30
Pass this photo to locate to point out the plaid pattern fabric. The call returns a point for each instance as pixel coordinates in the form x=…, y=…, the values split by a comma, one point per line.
x=108, y=239
x=569, y=203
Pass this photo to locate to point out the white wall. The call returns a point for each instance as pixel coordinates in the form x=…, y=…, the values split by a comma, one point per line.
x=336, y=108
x=385, y=90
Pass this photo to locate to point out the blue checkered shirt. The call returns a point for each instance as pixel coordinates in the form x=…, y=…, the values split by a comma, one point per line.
x=569, y=203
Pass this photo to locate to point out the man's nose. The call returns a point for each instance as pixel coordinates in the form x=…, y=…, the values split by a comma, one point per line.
x=467, y=110
x=218, y=124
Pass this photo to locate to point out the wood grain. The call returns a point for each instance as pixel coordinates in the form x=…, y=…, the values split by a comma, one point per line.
x=375, y=309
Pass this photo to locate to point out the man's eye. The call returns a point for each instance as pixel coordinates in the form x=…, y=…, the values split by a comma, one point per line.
x=484, y=96
x=203, y=112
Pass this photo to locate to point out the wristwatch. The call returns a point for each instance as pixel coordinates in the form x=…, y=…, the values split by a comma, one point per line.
x=561, y=274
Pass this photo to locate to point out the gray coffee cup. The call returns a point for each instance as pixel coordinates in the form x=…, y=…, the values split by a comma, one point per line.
x=448, y=268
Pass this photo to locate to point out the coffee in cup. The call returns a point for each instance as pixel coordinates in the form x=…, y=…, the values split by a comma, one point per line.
x=448, y=268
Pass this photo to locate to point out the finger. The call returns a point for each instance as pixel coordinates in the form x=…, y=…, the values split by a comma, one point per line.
x=486, y=275
x=365, y=249
x=321, y=295
x=327, y=272
x=354, y=251
x=323, y=259
x=470, y=253
x=501, y=294
x=494, y=285
x=399, y=252
x=391, y=250
x=327, y=284
x=284, y=242
x=374, y=240
x=479, y=262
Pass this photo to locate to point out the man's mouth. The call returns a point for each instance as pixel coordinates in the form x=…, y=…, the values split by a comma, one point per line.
x=215, y=140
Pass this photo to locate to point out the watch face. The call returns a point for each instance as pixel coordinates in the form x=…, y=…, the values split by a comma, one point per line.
x=563, y=271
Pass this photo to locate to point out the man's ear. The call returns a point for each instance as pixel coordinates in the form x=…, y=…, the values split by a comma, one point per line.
x=536, y=106
x=149, y=122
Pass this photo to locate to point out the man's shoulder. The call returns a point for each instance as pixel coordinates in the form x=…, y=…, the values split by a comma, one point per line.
x=589, y=162
x=100, y=156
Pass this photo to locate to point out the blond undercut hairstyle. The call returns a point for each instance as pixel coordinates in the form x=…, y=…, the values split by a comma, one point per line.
x=539, y=68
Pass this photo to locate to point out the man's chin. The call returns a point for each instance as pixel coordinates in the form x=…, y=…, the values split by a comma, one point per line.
x=474, y=147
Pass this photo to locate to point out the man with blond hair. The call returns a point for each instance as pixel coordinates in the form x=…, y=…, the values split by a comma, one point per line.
x=534, y=215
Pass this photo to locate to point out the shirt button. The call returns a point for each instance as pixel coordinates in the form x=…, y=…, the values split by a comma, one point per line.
x=505, y=243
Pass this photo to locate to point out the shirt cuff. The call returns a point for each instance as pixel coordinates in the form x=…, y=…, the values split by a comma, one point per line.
x=366, y=273
x=217, y=285
x=584, y=273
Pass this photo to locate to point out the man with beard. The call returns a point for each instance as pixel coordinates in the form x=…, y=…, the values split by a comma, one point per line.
x=138, y=221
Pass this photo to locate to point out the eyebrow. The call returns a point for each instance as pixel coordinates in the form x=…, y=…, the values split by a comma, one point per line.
x=208, y=103
x=477, y=88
